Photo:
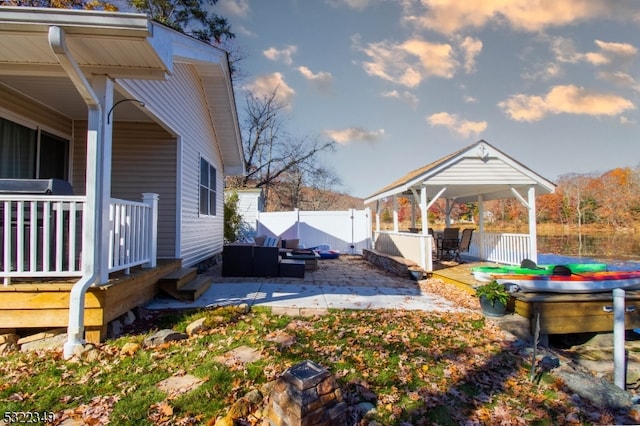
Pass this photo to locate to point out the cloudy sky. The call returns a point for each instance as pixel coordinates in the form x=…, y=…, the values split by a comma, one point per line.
x=401, y=83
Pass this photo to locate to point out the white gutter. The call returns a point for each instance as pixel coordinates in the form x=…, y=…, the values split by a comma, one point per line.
x=91, y=227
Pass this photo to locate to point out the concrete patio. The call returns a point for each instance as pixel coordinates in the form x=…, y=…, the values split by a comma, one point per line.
x=348, y=282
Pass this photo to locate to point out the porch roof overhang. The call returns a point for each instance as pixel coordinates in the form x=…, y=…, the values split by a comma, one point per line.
x=478, y=169
x=124, y=46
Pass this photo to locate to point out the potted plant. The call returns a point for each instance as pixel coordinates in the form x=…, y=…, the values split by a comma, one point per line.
x=493, y=298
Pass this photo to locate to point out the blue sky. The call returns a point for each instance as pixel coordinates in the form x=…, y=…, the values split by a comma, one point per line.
x=399, y=84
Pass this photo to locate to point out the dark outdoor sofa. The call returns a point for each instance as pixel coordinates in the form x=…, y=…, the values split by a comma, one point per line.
x=251, y=260
x=247, y=260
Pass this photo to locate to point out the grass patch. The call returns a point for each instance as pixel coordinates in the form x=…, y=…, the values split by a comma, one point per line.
x=414, y=367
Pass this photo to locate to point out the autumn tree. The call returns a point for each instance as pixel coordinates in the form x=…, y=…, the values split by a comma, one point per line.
x=63, y=4
x=618, y=191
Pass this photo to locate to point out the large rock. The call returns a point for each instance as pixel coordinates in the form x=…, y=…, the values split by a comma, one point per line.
x=163, y=336
x=597, y=390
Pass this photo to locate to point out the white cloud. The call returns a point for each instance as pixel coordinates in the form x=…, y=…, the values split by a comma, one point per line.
x=620, y=78
x=405, y=96
x=453, y=16
x=471, y=48
x=626, y=121
x=617, y=49
x=321, y=80
x=352, y=4
x=410, y=62
x=568, y=99
x=464, y=128
x=285, y=55
x=565, y=51
x=238, y=8
x=265, y=85
x=470, y=100
x=351, y=134
x=544, y=72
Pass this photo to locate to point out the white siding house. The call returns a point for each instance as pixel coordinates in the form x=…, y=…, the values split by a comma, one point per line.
x=139, y=118
x=177, y=109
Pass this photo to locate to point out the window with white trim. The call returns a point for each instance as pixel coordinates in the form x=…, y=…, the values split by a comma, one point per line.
x=31, y=153
x=208, y=181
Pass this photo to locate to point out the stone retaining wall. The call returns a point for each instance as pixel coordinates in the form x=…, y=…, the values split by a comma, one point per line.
x=394, y=264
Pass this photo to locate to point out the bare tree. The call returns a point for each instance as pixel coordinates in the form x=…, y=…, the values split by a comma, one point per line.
x=324, y=184
x=272, y=155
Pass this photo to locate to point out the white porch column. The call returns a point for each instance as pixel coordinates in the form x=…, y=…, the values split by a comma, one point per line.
x=424, y=216
x=413, y=212
x=481, y=226
x=427, y=256
x=395, y=213
x=99, y=97
x=533, y=242
x=378, y=216
x=448, y=207
x=103, y=87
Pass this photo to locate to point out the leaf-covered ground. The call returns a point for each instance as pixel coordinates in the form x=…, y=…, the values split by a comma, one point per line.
x=415, y=368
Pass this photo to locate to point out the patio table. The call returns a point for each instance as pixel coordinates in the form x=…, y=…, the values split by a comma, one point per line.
x=310, y=258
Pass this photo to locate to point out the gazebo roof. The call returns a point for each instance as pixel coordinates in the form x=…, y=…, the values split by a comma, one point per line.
x=478, y=169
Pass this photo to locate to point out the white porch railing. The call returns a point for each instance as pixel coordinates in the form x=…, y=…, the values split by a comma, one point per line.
x=509, y=249
x=500, y=248
x=132, y=233
x=41, y=236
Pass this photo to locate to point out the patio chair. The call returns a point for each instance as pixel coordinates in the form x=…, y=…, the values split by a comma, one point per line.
x=465, y=243
x=449, y=243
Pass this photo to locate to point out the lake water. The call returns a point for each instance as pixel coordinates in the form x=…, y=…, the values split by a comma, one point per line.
x=620, y=251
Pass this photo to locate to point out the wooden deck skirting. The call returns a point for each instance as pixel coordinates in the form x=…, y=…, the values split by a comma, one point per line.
x=45, y=304
x=576, y=313
x=559, y=313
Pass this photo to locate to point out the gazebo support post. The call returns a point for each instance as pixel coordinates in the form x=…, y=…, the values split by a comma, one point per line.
x=481, y=226
x=530, y=204
x=533, y=243
x=424, y=217
x=448, y=207
x=395, y=214
x=413, y=212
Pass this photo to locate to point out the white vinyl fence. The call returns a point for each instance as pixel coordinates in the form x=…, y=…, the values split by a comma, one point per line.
x=348, y=231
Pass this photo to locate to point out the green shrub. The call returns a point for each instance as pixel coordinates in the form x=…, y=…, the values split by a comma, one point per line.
x=232, y=217
x=493, y=291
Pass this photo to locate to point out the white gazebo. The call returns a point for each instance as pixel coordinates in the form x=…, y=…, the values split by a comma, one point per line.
x=477, y=173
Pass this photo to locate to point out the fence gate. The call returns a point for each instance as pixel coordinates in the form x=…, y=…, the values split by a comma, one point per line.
x=348, y=231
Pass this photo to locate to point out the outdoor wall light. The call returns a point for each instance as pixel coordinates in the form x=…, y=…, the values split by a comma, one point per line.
x=119, y=102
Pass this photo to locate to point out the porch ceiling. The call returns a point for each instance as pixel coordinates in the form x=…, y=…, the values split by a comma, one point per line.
x=59, y=94
x=124, y=46
x=120, y=45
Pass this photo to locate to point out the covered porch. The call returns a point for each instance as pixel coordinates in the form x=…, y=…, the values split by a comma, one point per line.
x=140, y=120
x=474, y=174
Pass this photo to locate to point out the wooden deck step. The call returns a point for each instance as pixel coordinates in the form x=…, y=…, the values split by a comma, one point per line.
x=190, y=291
x=179, y=278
